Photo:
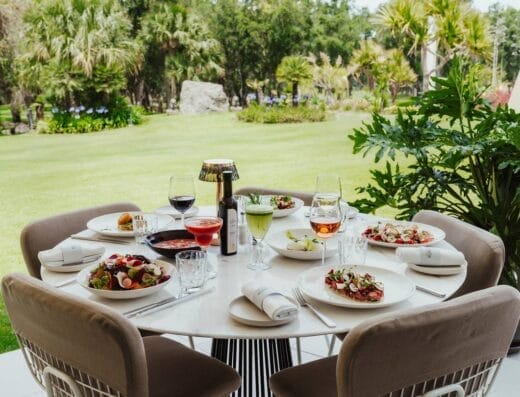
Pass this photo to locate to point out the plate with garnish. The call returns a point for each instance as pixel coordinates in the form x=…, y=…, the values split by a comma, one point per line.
x=301, y=244
x=402, y=234
x=119, y=224
x=356, y=287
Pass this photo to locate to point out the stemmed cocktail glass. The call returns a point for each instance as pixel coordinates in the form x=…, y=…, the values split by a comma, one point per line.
x=203, y=228
x=259, y=218
x=325, y=217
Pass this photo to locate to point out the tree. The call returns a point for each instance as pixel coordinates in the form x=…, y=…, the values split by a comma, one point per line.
x=365, y=60
x=178, y=46
x=331, y=79
x=294, y=70
x=506, y=22
x=452, y=25
x=400, y=74
x=80, y=49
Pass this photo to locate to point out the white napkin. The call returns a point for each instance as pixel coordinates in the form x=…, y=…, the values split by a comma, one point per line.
x=271, y=302
x=68, y=254
x=430, y=256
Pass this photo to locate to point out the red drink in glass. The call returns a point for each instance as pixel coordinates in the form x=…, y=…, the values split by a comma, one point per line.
x=203, y=228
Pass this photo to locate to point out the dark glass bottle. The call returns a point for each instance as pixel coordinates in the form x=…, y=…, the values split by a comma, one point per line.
x=227, y=210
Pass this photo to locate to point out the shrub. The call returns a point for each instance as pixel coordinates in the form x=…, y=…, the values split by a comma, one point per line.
x=282, y=114
x=80, y=120
x=463, y=156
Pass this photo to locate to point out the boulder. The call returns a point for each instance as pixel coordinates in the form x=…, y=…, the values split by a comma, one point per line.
x=21, y=128
x=198, y=97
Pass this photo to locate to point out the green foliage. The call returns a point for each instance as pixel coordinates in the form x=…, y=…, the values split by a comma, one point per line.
x=77, y=51
x=80, y=120
x=463, y=156
x=281, y=114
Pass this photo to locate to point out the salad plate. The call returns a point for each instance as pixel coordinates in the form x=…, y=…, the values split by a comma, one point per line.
x=282, y=243
x=84, y=276
x=107, y=224
x=397, y=287
x=244, y=311
x=384, y=232
x=280, y=213
x=169, y=210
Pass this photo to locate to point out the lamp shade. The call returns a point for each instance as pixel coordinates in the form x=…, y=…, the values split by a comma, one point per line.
x=211, y=170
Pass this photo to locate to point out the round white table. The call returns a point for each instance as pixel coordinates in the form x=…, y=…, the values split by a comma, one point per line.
x=207, y=315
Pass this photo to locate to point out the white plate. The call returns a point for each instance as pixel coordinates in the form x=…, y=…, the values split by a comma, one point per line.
x=281, y=213
x=438, y=235
x=107, y=224
x=438, y=270
x=397, y=287
x=244, y=311
x=71, y=268
x=83, y=277
x=351, y=213
x=169, y=210
x=278, y=242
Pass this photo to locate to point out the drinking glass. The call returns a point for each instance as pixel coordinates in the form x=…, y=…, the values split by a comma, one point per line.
x=328, y=183
x=143, y=225
x=353, y=250
x=203, y=228
x=191, y=265
x=325, y=217
x=182, y=193
x=259, y=218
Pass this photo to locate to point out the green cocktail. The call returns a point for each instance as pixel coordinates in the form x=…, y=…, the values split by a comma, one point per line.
x=259, y=218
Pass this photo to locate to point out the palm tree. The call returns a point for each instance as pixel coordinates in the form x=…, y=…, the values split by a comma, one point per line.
x=294, y=70
x=365, y=61
x=400, y=74
x=77, y=43
x=452, y=25
x=331, y=78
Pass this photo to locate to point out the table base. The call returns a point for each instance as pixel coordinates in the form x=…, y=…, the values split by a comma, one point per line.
x=255, y=360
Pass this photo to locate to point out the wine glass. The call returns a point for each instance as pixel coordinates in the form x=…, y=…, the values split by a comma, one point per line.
x=259, y=218
x=325, y=217
x=328, y=183
x=203, y=228
x=182, y=193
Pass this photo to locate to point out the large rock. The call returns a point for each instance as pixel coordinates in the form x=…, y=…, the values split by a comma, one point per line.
x=198, y=97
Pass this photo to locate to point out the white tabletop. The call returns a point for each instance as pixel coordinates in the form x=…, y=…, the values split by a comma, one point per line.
x=208, y=316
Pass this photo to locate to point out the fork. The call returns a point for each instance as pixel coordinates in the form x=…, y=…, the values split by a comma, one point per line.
x=301, y=300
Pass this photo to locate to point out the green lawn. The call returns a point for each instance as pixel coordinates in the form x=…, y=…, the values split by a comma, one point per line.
x=42, y=175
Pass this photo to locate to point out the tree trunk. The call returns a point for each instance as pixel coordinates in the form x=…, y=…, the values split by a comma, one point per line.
x=295, y=93
x=16, y=116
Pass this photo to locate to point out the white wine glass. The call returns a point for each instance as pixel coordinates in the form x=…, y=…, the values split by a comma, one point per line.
x=325, y=218
x=182, y=193
x=259, y=218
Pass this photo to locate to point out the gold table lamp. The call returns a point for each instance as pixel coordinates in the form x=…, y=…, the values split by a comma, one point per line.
x=211, y=171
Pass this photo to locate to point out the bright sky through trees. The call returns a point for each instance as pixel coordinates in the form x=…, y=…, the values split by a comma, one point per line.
x=482, y=5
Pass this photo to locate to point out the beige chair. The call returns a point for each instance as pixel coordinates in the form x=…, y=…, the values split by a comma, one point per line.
x=484, y=252
x=75, y=347
x=305, y=196
x=454, y=346
x=45, y=233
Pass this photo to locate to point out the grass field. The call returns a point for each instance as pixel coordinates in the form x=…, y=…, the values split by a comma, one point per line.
x=42, y=175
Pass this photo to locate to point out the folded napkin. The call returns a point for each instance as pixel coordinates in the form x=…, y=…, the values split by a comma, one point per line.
x=70, y=253
x=430, y=256
x=271, y=302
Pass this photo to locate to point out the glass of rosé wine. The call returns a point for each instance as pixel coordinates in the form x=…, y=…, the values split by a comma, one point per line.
x=325, y=217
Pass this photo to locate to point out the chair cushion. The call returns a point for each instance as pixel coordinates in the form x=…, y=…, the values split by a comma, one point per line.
x=176, y=370
x=317, y=378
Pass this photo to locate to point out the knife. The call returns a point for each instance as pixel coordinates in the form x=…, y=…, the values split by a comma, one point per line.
x=430, y=291
x=438, y=265
x=166, y=303
x=100, y=239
